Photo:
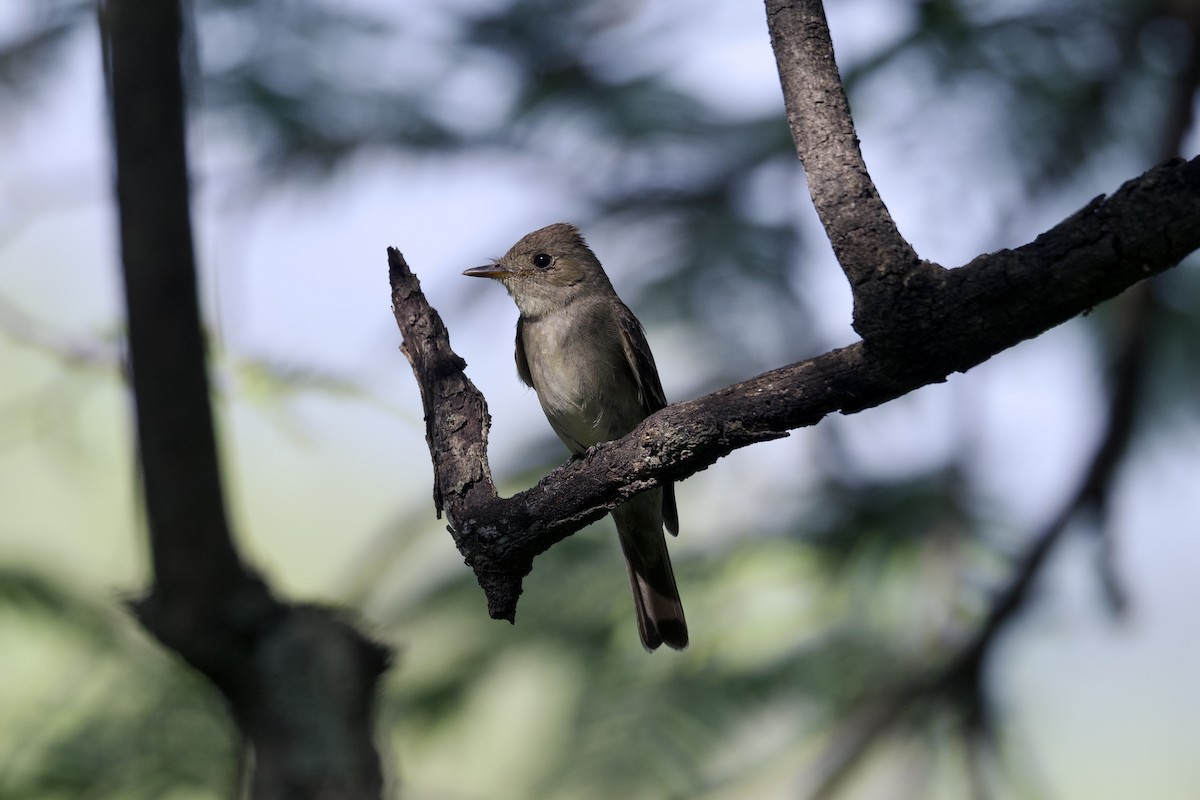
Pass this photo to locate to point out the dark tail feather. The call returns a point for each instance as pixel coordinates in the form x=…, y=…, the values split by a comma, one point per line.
x=655, y=596
x=670, y=511
x=659, y=616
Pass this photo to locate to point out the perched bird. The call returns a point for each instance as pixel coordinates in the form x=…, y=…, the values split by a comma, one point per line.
x=585, y=354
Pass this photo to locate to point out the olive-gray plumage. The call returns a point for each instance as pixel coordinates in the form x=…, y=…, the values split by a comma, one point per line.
x=585, y=354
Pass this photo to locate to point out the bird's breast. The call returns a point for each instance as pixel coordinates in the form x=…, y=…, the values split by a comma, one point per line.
x=582, y=380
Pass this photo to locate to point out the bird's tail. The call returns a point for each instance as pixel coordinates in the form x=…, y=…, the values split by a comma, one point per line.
x=655, y=595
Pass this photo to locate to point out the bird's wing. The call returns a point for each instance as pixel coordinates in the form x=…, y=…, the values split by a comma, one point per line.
x=650, y=391
x=641, y=361
x=522, y=362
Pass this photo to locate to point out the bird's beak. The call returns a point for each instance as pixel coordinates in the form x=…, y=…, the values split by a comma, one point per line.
x=488, y=271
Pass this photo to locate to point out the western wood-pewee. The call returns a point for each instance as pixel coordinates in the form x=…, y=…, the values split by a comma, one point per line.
x=585, y=354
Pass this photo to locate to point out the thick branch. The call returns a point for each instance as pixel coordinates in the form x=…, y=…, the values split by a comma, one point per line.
x=977, y=311
x=299, y=681
x=877, y=260
x=174, y=419
x=960, y=679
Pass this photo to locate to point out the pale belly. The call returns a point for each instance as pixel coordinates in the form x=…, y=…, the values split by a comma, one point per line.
x=586, y=407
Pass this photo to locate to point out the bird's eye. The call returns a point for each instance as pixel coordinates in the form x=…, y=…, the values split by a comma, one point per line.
x=542, y=260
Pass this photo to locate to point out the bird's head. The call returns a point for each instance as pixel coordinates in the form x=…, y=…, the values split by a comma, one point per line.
x=546, y=268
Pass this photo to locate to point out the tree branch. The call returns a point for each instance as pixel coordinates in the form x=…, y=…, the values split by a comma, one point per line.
x=960, y=679
x=300, y=681
x=174, y=420
x=877, y=260
x=969, y=315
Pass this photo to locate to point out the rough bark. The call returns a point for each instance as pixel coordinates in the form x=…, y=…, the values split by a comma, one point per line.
x=950, y=325
x=878, y=262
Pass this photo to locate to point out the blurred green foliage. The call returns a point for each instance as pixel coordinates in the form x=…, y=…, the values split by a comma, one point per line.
x=118, y=717
x=859, y=595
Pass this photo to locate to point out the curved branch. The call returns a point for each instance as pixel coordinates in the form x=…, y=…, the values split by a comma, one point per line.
x=877, y=260
x=952, y=325
x=960, y=678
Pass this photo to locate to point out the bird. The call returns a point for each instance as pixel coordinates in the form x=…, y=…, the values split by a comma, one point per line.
x=586, y=356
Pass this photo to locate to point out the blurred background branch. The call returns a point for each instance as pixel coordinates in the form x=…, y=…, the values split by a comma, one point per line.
x=267, y=658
